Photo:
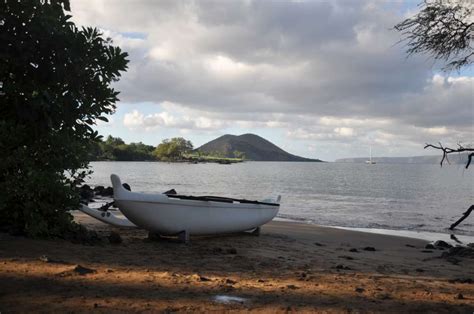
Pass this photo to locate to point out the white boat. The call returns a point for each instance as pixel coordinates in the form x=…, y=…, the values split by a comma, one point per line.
x=370, y=161
x=171, y=214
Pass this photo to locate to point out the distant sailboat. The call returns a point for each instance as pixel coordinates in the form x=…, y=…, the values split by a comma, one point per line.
x=370, y=161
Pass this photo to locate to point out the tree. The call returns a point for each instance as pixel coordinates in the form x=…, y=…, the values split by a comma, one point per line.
x=173, y=149
x=55, y=84
x=443, y=29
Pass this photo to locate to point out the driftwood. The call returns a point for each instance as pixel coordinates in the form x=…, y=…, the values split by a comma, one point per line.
x=470, y=209
x=446, y=151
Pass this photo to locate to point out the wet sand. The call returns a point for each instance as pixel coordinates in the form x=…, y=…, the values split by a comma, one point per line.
x=289, y=267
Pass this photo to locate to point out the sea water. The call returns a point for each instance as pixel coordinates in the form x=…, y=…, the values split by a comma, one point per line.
x=381, y=196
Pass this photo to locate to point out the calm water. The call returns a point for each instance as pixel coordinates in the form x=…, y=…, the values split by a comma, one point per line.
x=386, y=196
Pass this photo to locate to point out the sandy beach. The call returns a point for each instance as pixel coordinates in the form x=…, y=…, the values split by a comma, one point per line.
x=289, y=267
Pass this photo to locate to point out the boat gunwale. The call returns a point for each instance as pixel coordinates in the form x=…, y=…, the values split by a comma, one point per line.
x=176, y=202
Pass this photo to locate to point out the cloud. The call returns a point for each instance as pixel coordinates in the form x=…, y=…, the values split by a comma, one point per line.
x=318, y=70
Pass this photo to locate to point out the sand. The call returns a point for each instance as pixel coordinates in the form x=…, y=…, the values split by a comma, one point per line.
x=289, y=267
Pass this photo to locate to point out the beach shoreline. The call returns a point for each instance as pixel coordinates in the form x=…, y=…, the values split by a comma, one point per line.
x=289, y=267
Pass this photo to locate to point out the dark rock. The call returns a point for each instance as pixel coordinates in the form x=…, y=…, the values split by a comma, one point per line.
x=442, y=244
x=81, y=270
x=231, y=251
x=419, y=270
x=459, y=296
x=359, y=290
x=230, y=281
x=430, y=246
x=349, y=258
x=318, y=244
x=369, y=248
x=354, y=250
x=99, y=189
x=470, y=245
x=459, y=251
x=340, y=266
x=426, y=251
x=409, y=245
x=217, y=250
x=114, y=238
x=261, y=280
x=202, y=278
x=85, y=192
x=108, y=191
x=293, y=287
x=46, y=259
x=461, y=280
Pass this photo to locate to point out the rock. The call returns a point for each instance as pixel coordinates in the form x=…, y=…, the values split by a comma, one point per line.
x=459, y=296
x=231, y=251
x=293, y=287
x=108, y=191
x=430, y=246
x=442, y=244
x=230, y=281
x=409, y=245
x=341, y=266
x=217, y=250
x=354, y=250
x=346, y=257
x=318, y=244
x=470, y=245
x=359, y=290
x=461, y=280
x=81, y=270
x=44, y=258
x=86, y=193
x=261, y=280
x=98, y=190
x=369, y=248
x=459, y=251
x=426, y=251
x=419, y=270
x=114, y=238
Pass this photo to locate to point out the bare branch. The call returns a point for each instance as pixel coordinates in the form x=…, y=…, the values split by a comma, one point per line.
x=447, y=150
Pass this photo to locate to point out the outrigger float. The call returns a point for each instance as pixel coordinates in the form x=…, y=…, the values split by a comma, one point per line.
x=183, y=215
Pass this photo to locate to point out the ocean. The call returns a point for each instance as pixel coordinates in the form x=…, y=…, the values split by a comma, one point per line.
x=405, y=197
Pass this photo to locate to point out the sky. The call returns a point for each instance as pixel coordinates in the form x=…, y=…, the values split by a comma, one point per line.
x=320, y=79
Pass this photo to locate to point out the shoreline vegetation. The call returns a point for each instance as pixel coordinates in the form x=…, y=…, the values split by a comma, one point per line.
x=174, y=150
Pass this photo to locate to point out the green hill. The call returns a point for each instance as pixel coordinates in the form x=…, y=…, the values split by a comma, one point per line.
x=253, y=146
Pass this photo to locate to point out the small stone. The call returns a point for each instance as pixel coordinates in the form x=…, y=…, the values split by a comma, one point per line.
x=459, y=296
x=409, y=245
x=260, y=280
x=430, y=246
x=96, y=305
x=115, y=238
x=293, y=287
x=419, y=270
x=202, y=278
x=44, y=258
x=231, y=251
x=369, y=248
x=354, y=250
x=318, y=244
x=110, y=270
x=426, y=251
x=81, y=270
x=359, y=290
x=230, y=281
x=442, y=244
x=346, y=257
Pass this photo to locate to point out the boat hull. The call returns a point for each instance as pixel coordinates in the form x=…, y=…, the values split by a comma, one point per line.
x=167, y=216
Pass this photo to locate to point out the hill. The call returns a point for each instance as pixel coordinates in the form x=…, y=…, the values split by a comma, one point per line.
x=253, y=146
x=435, y=159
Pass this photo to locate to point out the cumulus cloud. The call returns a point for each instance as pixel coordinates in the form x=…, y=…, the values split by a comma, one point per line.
x=319, y=70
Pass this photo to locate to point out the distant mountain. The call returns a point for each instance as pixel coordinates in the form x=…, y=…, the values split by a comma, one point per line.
x=453, y=159
x=253, y=146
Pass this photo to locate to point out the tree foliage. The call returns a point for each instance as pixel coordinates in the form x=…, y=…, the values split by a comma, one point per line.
x=114, y=148
x=173, y=149
x=54, y=84
x=443, y=29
